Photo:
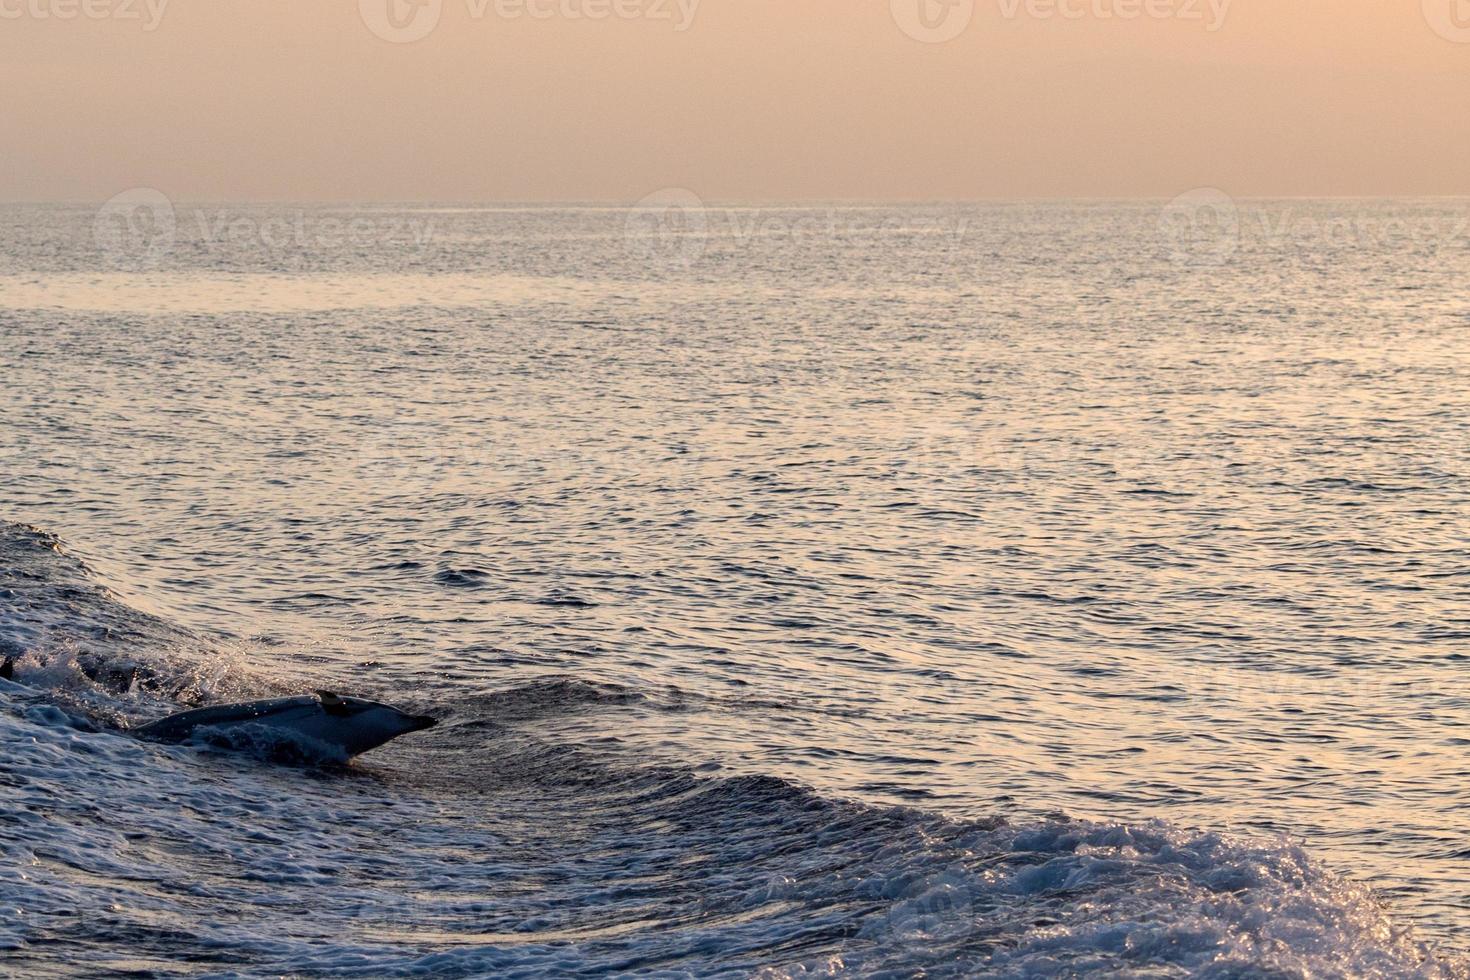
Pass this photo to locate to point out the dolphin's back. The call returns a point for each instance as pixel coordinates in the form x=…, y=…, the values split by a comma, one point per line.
x=326, y=726
x=177, y=728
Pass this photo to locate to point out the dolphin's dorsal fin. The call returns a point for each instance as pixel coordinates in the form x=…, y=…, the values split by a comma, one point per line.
x=331, y=703
x=7, y=669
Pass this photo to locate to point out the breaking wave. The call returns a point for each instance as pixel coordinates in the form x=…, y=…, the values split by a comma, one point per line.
x=483, y=848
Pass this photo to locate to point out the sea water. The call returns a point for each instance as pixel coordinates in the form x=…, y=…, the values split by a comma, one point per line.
x=1015, y=589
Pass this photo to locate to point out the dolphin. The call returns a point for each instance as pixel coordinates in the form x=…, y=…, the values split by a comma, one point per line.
x=346, y=727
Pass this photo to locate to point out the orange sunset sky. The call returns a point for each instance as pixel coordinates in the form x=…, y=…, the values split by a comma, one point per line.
x=526, y=100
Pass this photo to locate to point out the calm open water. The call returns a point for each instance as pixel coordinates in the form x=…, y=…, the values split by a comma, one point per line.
x=1012, y=589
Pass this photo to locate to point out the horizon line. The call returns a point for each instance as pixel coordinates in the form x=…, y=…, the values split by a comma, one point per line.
x=617, y=204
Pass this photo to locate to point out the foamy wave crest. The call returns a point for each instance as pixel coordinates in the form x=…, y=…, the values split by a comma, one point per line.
x=480, y=849
x=72, y=635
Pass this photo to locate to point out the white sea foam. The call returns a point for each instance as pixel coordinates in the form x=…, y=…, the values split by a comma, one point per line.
x=119, y=851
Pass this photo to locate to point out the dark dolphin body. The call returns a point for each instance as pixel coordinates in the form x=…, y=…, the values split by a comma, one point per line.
x=325, y=725
x=344, y=726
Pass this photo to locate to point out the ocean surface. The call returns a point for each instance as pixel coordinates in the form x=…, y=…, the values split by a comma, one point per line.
x=1018, y=589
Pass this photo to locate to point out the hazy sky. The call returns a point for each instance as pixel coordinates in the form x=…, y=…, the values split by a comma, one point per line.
x=734, y=99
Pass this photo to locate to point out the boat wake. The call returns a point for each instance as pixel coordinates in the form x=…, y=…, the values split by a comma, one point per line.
x=482, y=848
